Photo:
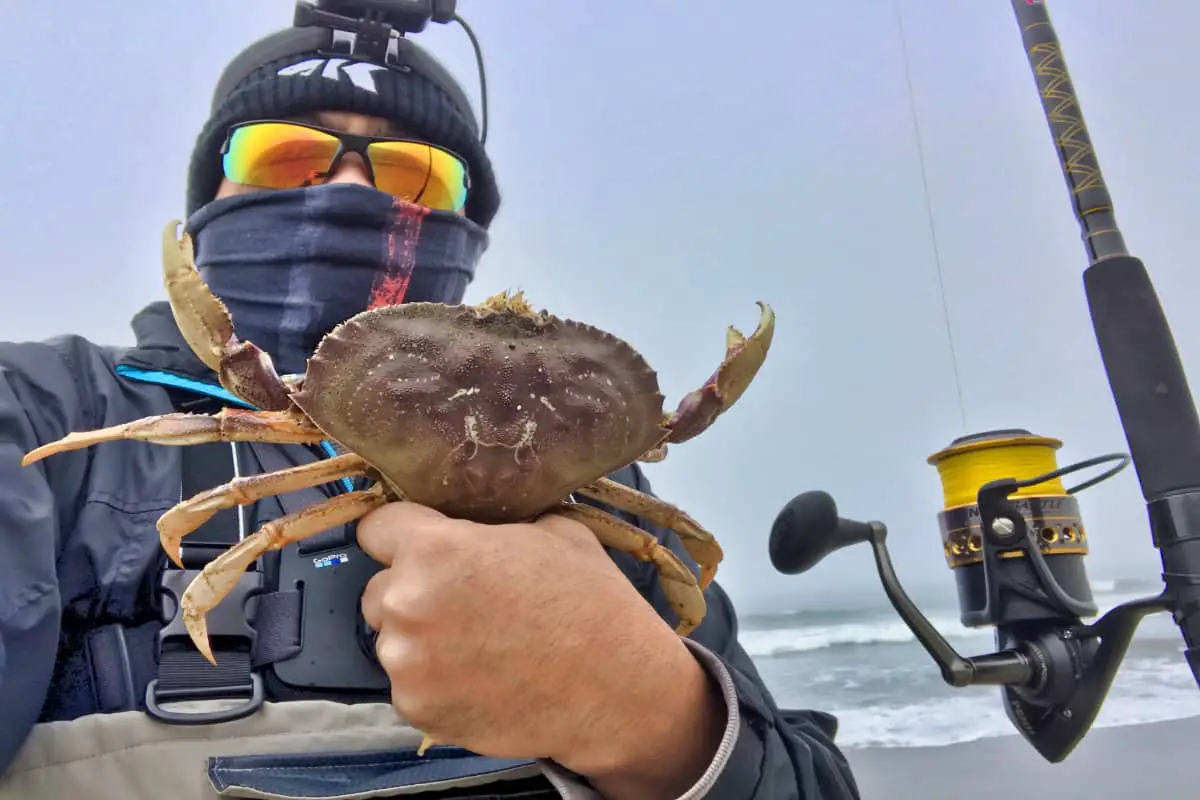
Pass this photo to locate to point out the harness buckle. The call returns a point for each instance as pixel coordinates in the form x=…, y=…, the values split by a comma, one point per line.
x=184, y=674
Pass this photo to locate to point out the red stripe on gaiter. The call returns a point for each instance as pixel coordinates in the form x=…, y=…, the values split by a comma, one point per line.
x=399, y=255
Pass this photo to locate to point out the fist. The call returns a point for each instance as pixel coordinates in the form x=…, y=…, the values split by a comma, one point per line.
x=520, y=640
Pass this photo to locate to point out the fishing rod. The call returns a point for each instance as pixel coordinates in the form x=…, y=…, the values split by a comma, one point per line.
x=1012, y=534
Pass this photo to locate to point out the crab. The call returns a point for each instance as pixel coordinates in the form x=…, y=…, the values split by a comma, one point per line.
x=494, y=413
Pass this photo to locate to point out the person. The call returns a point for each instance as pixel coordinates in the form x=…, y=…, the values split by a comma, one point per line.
x=547, y=665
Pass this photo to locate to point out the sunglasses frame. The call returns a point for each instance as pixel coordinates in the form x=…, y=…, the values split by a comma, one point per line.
x=349, y=143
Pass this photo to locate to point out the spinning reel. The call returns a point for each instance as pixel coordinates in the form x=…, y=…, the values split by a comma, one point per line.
x=1016, y=545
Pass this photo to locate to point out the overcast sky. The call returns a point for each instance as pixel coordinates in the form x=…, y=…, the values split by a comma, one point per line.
x=664, y=165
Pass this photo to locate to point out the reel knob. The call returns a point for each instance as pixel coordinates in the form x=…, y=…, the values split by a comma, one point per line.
x=808, y=529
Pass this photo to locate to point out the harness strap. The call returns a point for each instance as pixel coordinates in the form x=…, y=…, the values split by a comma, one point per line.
x=115, y=667
x=275, y=615
x=107, y=666
x=250, y=628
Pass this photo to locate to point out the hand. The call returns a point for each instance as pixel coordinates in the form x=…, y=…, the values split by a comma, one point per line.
x=525, y=641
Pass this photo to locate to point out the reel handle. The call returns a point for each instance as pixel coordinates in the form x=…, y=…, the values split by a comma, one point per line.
x=808, y=529
x=1054, y=676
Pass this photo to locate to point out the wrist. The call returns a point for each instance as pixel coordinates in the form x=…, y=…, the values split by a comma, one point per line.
x=668, y=736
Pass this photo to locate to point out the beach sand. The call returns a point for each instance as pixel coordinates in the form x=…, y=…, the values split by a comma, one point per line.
x=1160, y=761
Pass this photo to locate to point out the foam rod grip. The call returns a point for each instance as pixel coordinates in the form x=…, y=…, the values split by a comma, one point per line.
x=1147, y=378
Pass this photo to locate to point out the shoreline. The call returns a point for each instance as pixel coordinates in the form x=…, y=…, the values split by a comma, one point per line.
x=1153, y=761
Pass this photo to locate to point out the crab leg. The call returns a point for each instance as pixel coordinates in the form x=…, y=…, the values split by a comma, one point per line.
x=217, y=579
x=678, y=582
x=207, y=327
x=189, y=515
x=743, y=357
x=227, y=425
x=654, y=455
x=700, y=544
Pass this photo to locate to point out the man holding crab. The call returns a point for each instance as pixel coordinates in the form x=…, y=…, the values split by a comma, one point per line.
x=529, y=643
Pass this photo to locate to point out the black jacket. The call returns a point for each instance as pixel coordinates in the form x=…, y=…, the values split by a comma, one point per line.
x=79, y=550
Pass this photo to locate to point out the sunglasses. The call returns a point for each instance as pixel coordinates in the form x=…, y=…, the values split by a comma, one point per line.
x=274, y=154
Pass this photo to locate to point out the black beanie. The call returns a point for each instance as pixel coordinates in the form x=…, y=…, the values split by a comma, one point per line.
x=293, y=72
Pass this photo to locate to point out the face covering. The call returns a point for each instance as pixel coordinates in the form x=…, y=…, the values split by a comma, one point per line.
x=291, y=264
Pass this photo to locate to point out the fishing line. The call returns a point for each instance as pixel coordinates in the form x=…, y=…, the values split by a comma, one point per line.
x=964, y=467
x=937, y=256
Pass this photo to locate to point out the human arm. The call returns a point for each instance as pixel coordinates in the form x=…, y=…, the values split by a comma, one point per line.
x=775, y=754
x=763, y=753
x=566, y=661
x=39, y=402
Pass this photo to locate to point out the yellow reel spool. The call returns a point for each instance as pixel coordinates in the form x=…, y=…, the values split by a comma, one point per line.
x=1049, y=513
x=972, y=461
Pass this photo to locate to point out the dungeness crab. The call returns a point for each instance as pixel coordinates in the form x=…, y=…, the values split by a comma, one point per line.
x=493, y=413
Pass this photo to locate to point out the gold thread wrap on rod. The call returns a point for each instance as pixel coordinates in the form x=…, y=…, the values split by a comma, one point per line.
x=1076, y=154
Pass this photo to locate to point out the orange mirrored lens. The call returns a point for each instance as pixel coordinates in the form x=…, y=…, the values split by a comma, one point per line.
x=419, y=173
x=282, y=155
x=276, y=155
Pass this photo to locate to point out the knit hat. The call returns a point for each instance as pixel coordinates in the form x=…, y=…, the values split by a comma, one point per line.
x=295, y=71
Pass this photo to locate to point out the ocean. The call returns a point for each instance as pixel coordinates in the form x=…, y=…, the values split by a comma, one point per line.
x=864, y=666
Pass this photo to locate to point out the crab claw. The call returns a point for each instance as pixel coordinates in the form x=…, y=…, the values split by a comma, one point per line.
x=207, y=327
x=743, y=357
x=202, y=318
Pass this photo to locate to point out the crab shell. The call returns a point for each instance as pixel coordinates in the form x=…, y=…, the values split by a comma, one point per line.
x=493, y=413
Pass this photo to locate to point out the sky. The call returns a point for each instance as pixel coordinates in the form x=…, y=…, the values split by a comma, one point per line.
x=665, y=165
